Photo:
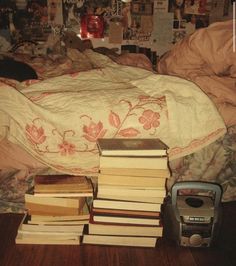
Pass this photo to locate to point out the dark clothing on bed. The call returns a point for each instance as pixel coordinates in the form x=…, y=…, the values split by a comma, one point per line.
x=20, y=71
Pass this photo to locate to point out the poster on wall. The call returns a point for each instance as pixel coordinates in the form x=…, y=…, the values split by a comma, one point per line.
x=197, y=7
x=189, y=15
x=137, y=19
x=32, y=23
x=55, y=16
x=72, y=11
x=160, y=6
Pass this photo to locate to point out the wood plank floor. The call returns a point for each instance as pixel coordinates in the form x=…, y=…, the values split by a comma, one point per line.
x=166, y=253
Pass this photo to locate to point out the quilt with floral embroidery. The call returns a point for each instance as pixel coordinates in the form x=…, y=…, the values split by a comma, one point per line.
x=58, y=120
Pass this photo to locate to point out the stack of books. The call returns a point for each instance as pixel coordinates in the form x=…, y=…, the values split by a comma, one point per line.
x=130, y=192
x=57, y=210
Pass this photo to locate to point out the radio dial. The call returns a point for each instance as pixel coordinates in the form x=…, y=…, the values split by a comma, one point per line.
x=195, y=240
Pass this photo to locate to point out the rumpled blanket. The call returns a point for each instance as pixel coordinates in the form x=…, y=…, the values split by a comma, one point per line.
x=58, y=120
x=207, y=57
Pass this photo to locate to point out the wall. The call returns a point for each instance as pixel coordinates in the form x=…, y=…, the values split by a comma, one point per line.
x=148, y=26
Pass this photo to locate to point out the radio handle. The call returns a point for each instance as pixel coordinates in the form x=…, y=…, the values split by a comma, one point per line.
x=216, y=188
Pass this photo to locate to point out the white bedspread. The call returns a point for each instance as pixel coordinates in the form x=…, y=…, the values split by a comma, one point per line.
x=58, y=120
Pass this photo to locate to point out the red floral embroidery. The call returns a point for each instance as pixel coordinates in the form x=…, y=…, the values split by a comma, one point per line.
x=149, y=119
x=66, y=148
x=114, y=119
x=94, y=131
x=35, y=134
x=129, y=132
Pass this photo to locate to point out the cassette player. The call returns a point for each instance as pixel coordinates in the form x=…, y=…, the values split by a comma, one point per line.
x=193, y=220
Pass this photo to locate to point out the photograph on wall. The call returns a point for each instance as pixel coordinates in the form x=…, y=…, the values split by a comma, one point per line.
x=31, y=23
x=177, y=8
x=55, y=15
x=72, y=11
x=137, y=21
x=197, y=7
x=178, y=34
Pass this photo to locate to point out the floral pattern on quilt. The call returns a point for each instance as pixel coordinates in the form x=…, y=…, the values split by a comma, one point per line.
x=128, y=118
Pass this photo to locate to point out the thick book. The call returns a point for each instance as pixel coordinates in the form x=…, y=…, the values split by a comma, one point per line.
x=131, y=147
x=61, y=184
x=133, y=162
x=126, y=205
x=81, y=218
x=52, y=201
x=120, y=240
x=163, y=173
x=131, y=181
x=121, y=191
x=42, y=209
x=124, y=230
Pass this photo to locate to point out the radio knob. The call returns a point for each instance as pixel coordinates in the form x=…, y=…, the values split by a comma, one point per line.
x=195, y=240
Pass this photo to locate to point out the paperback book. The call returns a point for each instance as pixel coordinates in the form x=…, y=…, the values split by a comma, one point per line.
x=61, y=184
x=124, y=230
x=133, y=241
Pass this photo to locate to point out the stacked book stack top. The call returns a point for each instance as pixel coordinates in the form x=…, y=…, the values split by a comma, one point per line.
x=57, y=210
x=130, y=192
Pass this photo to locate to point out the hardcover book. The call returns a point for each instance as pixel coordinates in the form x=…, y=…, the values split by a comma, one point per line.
x=132, y=147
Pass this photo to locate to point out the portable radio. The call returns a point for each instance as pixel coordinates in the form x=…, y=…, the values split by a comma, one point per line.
x=192, y=220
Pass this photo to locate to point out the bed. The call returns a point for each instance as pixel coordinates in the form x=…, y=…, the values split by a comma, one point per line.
x=50, y=125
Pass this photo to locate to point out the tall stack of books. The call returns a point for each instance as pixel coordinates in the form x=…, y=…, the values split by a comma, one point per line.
x=57, y=210
x=130, y=192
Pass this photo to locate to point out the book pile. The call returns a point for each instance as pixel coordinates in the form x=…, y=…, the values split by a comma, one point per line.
x=57, y=210
x=130, y=192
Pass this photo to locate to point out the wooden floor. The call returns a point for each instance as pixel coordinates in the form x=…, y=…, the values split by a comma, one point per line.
x=166, y=253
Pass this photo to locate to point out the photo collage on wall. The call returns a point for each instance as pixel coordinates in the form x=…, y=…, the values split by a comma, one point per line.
x=190, y=15
x=154, y=24
x=35, y=19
